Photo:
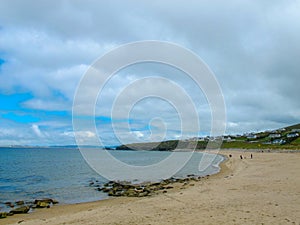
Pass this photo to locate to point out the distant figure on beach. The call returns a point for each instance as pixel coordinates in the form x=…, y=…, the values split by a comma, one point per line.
x=230, y=155
x=251, y=156
x=241, y=156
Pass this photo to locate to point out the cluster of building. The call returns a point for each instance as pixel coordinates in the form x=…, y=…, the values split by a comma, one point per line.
x=280, y=136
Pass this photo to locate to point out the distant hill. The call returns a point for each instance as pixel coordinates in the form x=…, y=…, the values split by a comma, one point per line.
x=281, y=138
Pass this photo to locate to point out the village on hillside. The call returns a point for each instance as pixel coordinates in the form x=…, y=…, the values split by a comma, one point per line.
x=282, y=138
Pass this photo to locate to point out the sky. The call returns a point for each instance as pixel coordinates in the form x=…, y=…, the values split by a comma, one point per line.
x=46, y=47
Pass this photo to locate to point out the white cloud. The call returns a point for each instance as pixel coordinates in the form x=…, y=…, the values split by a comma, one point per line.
x=37, y=130
x=138, y=134
x=252, y=46
x=82, y=137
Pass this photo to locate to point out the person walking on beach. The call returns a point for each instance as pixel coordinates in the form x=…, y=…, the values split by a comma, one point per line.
x=241, y=156
x=251, y=156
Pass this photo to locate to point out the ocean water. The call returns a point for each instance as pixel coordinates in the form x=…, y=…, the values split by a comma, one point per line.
x=62, y=173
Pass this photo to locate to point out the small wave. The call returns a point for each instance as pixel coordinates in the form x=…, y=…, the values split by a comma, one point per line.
x=31, y=179
x=7, y=188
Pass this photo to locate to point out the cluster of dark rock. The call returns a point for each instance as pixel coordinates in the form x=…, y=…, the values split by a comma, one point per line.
x=21, y=207
x=127, y=189
x=112, y=188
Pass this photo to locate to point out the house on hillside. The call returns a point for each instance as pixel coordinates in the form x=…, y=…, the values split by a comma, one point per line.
x=251, y=136
x=292, y=135
x=275, y=135
x=228, y=138
x=279, y=141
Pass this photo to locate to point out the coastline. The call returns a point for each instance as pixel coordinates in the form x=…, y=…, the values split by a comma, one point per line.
x=203, y=201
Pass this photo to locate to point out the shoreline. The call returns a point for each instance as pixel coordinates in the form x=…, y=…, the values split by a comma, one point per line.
x=95, y=184
x=110, y=199
x=229, y=169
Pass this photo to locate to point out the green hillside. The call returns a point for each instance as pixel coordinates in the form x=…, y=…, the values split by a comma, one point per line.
x=282, y=138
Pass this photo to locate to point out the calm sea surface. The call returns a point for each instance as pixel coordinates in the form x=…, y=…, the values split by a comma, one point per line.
x=62, y=173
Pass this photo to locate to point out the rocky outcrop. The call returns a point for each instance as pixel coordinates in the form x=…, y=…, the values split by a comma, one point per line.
x=118, y=188
x=20, y=210
x=46, y=200
x=26, y=206
x=44, y=203
x=3, y=215
x=19, y=202
x=10, y=204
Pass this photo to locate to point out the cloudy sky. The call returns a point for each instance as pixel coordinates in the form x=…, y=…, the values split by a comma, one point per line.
x=46, y=47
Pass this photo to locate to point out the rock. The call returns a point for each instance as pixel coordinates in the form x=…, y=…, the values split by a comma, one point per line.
x=20, y=210
x=111, y=193
x=46, y=200
x=143, y=194
x=193, y=178
x=123, y=188
x=10, y=214
x=165, y=182
x=118, y=193
x=3, y=215
x=138, y=190
x=42, y=205
x=10, y=204
x=161, y=187
x=106, y=189
x=130, y=193
x=172, y=179
x=117, y=188
x=20, y=202
x=54, y=201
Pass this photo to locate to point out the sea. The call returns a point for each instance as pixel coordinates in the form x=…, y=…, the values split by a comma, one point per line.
x=63, y=174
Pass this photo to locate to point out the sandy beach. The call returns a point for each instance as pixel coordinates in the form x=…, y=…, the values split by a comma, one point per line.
x=262, y=190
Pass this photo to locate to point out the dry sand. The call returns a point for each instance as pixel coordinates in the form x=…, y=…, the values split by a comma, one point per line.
x=262, y=190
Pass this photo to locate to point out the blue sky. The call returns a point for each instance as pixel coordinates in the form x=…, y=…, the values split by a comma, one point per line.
x=46, y=47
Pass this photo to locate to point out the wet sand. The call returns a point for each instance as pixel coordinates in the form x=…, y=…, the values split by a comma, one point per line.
x=262, y=190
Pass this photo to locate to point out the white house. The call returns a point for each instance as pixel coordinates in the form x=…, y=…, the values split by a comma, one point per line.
x=292, y=135
x=252, y=136
x=279, y=141
x=275, y=135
